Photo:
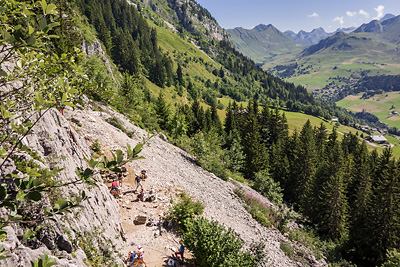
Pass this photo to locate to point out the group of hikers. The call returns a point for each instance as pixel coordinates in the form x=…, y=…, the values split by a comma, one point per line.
x=135, y=259
x=117, y=184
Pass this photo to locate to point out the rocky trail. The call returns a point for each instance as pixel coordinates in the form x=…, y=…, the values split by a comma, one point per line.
x=170, y=171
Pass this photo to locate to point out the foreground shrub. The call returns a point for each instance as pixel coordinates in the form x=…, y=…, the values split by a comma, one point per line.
x=184, y=210
x=214, y=245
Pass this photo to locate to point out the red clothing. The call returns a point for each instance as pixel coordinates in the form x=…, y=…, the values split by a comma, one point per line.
x=115, y=183
x=140, y=253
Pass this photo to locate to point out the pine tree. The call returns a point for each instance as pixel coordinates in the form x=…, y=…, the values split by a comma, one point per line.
x=216, y=122
x=360, y=193
x=289, y=185
x=305, y=165
x=254, y=150
x=385, y=209
x=229, y=122
x=162, y=111
x=279, y=166
x=320, y=139
x=179, y=75
x=265, y=118
x=333, y=200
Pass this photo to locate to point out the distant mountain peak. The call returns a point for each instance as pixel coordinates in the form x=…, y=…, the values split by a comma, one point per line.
x=345, y=30
x=308, y=38
x=387, y=16
x=262, y=27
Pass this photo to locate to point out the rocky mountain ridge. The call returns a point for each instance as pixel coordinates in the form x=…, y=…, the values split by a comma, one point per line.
x=308, y=38
x=187, y=14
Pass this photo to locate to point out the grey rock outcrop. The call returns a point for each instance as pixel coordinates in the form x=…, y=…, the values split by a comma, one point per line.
x=97, y=221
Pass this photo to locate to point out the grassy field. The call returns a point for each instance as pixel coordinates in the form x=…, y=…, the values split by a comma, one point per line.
x=297, y=120
x=379, y=105
x=315, y=69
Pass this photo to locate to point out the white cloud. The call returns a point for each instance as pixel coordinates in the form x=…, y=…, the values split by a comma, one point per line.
x=364, y=13
x=379, y=11
x=339, y=19
x=313, y=15
x=351, y=14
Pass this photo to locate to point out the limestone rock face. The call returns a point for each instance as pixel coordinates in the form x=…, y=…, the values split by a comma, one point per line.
x=59, y=145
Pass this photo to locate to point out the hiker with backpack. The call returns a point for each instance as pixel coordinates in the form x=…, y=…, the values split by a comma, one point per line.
x=138, y=181
x=180, y=251
x=131, y=258
x=140, y=252
x=143, y=174
x=114, y=189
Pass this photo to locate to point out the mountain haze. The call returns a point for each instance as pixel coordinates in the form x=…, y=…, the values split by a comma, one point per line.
x=308, y=38
x=262, y=42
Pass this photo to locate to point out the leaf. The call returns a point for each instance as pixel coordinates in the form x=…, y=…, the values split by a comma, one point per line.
x=34, y=195
x=3, y=235
x=111, y=164
x=3, y=153
x=3, y=73
x=68, y=104
x=62, y=203
x=43, y=23
x=120, y=156
x=129, y=151
x=93, y=163
x=45, y=262
x=50, y=8
x=31, y=40
x=30, y=29
x=137, y=149
x=87, y=172
x=113, y=155
x=8, y=37
x=64, y=97
x=72, y=91
x=21, y=195
x=116, y=170
x=39, y=99
x=44, y=6
x=19, y=64
x=28, y=234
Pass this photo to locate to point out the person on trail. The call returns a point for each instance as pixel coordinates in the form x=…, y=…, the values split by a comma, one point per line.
x=131, y=258
x=120, y=177
x=141, y=194
x=171, y=262
x=143, y=174
x=180, y=251
x=138, y=182
x=140, y=252
x=114, y=189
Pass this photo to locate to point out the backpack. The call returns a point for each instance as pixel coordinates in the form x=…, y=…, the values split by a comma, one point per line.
x=132, y=257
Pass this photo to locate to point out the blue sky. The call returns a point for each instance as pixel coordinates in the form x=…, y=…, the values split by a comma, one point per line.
x=298, y=15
